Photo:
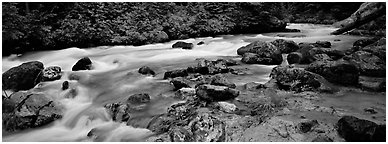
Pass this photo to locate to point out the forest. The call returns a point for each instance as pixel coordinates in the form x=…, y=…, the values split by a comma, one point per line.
x=36, y=26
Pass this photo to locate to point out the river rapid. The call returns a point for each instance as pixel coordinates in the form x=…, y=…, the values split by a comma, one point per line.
x=114, y=77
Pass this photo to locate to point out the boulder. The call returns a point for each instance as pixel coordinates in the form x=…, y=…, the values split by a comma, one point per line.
x=210, y=67
x=145, y=70
x=294, y=58
x=228, y=62
x=206, y=128
x=52, y=73
x=377, y=48
x=266, y=52
x=251, y=58
x=285, y=46
x=200, y=43
x=357, y=45
x=185, y=93
x=30, y=110
x=82, y=64
x=179, y=83
x=175, y=73
x=183, y=45
x=332, y=53
x=353, y=129
x=341, y=72
x=118, y=111
x=65, y=85
x=369, y=64
x=372, y=84
x=324, y=44
x=23, y=77
x=296, y=79
x=304, y=49
x=216, y=93
x=220, y=80
x=139, y=98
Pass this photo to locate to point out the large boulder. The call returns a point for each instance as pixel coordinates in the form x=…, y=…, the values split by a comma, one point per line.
x=297, y=79
x=23, y=77
x=341, y=72
x=369, y=64
x=285, y=46
x=183, y=45
x=29, y=110
x=175, y=73
x=216, y=93
x=82, y=64
x=269, y=53
x=294, y=58
x=145, y=70
x=353, y=129
x=52, y=73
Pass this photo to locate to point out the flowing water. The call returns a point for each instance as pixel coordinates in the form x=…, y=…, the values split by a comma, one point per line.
x=114, y=77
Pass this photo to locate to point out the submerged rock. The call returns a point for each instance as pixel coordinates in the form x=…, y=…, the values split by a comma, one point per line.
x=30, y=110
x=353, y=129
x=175, y=73
x=145, y=70
x=139, y=98
x=266, y=53
x=340, y=71
x=52, y=73
x=285, y=46
x=82, y=64
x=23, y=77
x=216, y=93
x=183, y=45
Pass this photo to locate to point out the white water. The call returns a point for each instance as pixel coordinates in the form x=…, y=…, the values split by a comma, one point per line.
x=115, y=76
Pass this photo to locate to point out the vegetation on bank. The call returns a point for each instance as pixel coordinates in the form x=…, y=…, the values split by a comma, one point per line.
x=47, y=26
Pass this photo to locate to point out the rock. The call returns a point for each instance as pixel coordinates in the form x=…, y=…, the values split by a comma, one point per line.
x=145, y=70
x=226, y=107
x=307, y=126
x=253, y=86
x=82, y=64
x=322, y=138
x=357, y=45
x=296, y=79
x=65, y=85
x=353, y=129
x=139, y=98
x=324, y=44
x=341, y=72
x=209, y=67
x=161, y=123
x=285, y=46
x=8, y=105
x=31, y=110
x=220, y=80
x=337, y=40
x=332, y=53
x=291, y=30
x=179, y=134
x=52, y=73
x=200, y=43
x=304, y=49
x=118, y=111
x=175, y=73
x=179, y=83
x=371, y=84
x=216, y=93
x=185, y=93
x=370, y=110
x=228, y=62
x=377, y=48
x=183, y=45
x=23, y=77
x=369, y=64
x=206, y=128
x=266, y=52
x=321, y=57
x=251, y=58
x=294, y=58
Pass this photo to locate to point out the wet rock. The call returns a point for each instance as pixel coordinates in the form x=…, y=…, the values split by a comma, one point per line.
x=183, y=45
x=324, y=44
x=179, y=134
x=118, y=111
x=377, y=48
x=139, y=98
x=228, y=62
x=52, y=73
x=285, y=46
x=307, y=126
x=226, y=107
x=206, y=128
x=82, y=64
x=353, y=129
x=340, y=71
x=185, y=93
x=220, y=80
x=31, y=110
x=181, y=111
x=369, y=64
x=296, y=79
x=357, y=45
x=294, y=58
x=145, y=70
x=200, y=43
x=322, y=138
x=175, y=73
x=332, y=53
x=210, y=67
x=23, y=77
x=251, y=58
x=179, y=83
x=216, y=93
x=65, y=85
x=253, y=86
x=321, y=57
x=266, y=53
x=304, y=49
x=161, y=123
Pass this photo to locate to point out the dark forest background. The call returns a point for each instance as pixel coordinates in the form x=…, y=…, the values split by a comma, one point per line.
x=47, y=26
